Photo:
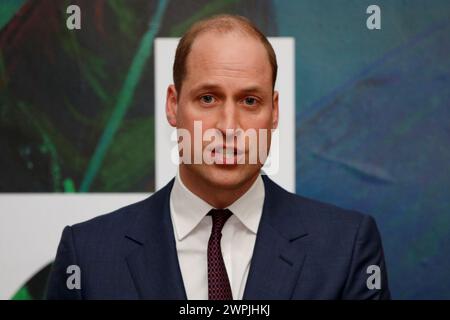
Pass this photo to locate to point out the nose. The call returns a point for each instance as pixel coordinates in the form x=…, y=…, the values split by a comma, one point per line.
x=228, y=117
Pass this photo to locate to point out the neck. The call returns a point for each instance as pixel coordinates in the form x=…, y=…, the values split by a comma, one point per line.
x=221, y=197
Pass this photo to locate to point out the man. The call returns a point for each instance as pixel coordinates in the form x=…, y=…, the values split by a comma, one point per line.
x=221, y=230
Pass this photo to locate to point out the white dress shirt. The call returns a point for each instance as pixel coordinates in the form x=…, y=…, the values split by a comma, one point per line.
x=192, y=228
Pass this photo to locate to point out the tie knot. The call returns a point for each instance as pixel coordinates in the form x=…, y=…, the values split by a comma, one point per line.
x=219, y=217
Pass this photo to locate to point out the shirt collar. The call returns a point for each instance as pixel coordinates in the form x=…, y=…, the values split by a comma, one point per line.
x=187, y=209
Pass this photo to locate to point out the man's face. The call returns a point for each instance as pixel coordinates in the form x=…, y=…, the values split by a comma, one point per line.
x=228, y=85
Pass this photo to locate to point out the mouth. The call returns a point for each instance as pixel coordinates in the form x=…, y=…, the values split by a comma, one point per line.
x=227, y=155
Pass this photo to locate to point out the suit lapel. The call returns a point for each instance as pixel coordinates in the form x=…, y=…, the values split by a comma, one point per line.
x=153, y=261
x=280, y=248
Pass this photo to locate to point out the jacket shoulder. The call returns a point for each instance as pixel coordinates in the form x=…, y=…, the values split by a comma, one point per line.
x=316, y=214
x=321, y=211
x=105, y=228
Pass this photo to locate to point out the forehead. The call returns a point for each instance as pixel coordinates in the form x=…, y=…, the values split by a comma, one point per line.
x=233, y=56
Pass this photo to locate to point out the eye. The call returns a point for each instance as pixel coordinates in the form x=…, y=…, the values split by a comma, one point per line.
x=250, y=101
x=207, y=98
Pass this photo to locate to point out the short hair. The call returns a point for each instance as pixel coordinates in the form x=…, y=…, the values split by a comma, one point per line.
x=220, y=23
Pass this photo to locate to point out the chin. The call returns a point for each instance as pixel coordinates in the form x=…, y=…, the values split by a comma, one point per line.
x=229, y=176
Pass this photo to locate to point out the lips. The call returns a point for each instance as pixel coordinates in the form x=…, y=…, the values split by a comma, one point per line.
x=229, y=151
x=226, y=155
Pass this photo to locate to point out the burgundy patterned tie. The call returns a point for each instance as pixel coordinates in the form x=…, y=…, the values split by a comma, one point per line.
x=218, y=283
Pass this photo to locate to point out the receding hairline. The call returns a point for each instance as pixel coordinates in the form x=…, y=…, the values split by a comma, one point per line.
x=225, y=23
x=221, y=24
x=199, y=41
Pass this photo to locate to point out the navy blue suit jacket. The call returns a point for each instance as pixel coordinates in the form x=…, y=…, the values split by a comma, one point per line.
x=304, y=249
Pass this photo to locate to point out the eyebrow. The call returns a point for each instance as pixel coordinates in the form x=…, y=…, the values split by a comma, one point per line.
x=253, y=89
x=206, y=86
x=212, y=87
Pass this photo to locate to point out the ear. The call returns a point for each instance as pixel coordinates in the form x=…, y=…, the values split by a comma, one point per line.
x=275, y=110
x=172, y=105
